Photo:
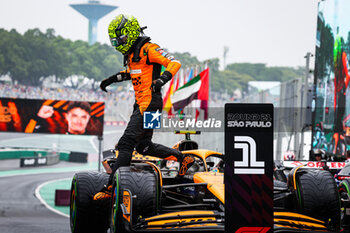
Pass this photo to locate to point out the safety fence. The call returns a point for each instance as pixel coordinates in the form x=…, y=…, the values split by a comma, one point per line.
x=292, y=116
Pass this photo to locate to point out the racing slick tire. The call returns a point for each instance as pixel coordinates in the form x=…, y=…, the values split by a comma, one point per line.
x=87, y=215
x=142, y=182
x=318, y=197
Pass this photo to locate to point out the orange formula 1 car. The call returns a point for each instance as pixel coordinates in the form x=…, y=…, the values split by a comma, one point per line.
x=149, y=197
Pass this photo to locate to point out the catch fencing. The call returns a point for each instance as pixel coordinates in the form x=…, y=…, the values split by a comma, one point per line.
x=292, y=116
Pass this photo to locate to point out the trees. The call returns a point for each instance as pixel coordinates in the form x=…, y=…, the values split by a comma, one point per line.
x=237, y=75
x=324, y=52
x=259, y=72
x=29, y=58
x=33, y=56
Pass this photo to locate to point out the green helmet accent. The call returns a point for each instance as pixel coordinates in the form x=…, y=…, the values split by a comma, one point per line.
x=123, y=32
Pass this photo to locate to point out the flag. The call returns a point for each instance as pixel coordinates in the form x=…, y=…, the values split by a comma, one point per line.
x=203, y=95
x=167, y=106
x=197, y=113
x=196, y=88
x=177, y=82
x=190, y=75
x=195, y=71
x=186, y=73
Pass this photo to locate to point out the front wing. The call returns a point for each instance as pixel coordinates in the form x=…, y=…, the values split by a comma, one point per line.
x=191, y=220
x=295, y=222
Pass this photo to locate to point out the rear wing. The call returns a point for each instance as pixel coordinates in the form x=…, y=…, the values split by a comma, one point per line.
x=187, y=133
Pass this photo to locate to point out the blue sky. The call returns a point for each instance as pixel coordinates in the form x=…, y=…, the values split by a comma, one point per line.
x=274, y=32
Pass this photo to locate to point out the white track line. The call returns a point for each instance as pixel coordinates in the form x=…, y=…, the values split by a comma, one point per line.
x=93, y=144
x=37, y=194
x=106, y=133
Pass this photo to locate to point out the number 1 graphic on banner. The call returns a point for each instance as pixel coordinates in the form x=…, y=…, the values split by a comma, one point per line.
x=248, y=146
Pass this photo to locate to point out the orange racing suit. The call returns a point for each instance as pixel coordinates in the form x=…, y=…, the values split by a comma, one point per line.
x=143, y=70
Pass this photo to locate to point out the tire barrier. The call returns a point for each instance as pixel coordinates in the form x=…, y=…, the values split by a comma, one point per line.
x=33, y=162
x=79, y=157
x=49, y=159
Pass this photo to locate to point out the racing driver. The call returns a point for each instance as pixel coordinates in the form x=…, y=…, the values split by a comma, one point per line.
x=143, y=61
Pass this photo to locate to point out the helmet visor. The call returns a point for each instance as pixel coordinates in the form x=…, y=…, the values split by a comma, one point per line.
x=121, y=40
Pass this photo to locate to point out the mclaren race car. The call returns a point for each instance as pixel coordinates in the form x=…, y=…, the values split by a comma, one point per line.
x=149, y=197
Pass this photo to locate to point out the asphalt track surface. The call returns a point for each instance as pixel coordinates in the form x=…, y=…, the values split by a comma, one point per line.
x=22, y=212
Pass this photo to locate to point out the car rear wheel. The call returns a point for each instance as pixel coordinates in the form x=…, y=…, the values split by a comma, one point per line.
x=318, y=197
x=142, y=182
x=87, y=215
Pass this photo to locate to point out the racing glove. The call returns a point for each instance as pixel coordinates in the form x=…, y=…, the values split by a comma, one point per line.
x=118, y=77
x=161, y=81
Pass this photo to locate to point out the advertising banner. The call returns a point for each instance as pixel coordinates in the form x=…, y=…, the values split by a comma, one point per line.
x=51, y=116
x=248, y=168
x=331, y=112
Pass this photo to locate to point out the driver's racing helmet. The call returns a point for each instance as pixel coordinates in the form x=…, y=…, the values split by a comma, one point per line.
x=319, y=152
x=123, y=32
x=289, y=156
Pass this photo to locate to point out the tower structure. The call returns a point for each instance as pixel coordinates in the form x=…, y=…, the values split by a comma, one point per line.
x=93, y=10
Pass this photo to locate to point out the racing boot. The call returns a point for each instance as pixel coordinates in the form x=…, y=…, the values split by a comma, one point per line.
x=186, y=161
x=104, y=194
